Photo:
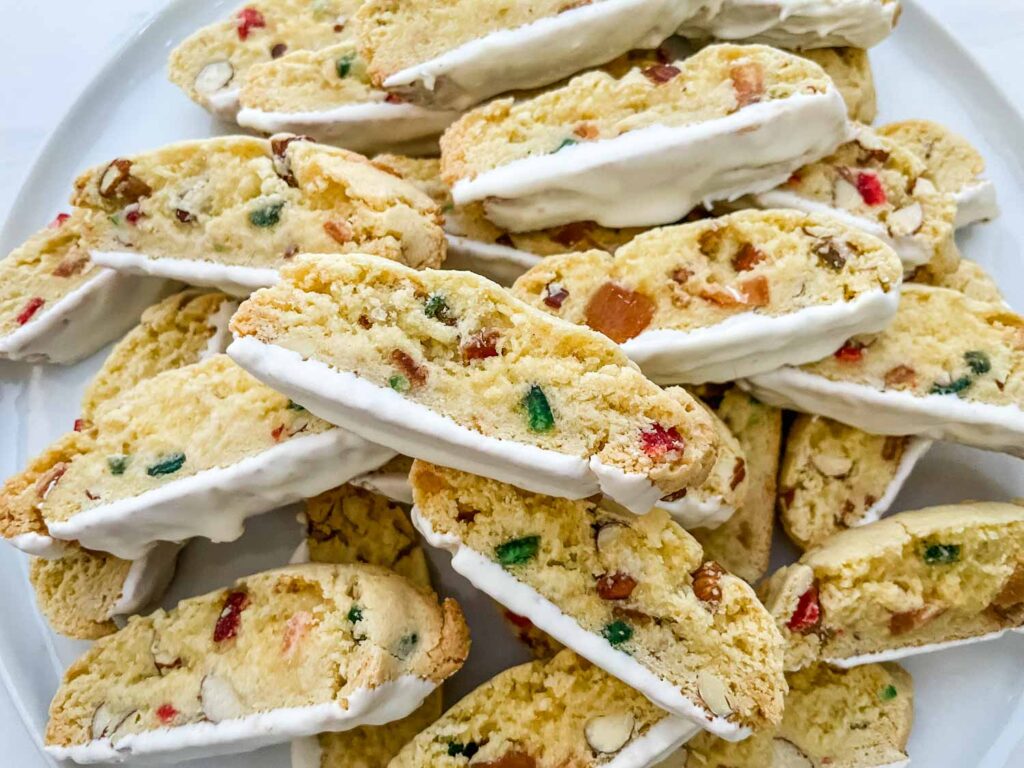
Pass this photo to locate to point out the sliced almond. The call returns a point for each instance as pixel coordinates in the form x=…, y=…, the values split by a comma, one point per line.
x=219, y=699
x=831, y=465
x=924, y=186
x=608, y=535
x=846, y=195
x=786, y=755
x=712, y=690
x=609, y=733
x=906, y=221
x=105, y=721
x=214, y=76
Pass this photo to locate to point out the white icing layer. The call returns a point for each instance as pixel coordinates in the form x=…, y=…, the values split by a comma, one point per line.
x=976, y=202
x=659, y=173
x=386, y=703
x=698, y=510
x=499, y=263
x=939, y=417
x=230, y=278
x=751, y=343
x=662, y=739
x=915, y=449
x=894, y=654
x=306, y=752
x=632, y=490
x=797, y=23
x=224, y=103
x=912, y=253
x=393, y=485
x=369, y=127
x=147, y=579
x=543, y=51
x=495, y=581
x=214, y=503
x=385, y=417
x=38, y=545
x=221, y=337
x=81, y=322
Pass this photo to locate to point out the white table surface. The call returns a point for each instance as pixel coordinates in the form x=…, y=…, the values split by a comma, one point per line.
x=51, y=50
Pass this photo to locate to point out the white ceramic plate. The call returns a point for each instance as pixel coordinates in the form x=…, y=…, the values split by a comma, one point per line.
x=970, y=701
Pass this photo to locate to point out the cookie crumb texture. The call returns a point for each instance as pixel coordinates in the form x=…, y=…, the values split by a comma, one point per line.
x=638, y=581
x=832, y=476
x=296, y=637
x=856, y=718
x=952, y=162
x=930, y=576
x=242, y=201
x=462, y=346
x=545, y=714
x=77, y=592
x=850, y=70
x=970, y=279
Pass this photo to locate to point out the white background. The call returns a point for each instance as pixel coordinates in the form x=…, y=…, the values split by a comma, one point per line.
x=50, y=50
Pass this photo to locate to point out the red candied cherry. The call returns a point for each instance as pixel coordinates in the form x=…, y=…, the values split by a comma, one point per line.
x=133, y=213
x=248, y=20
x=230, y=616
x=32, y=306
x=555, y=295
x=870, y=187
x=520, y=621
x=660, y=73
x=58, y=222
x=481, y=345
x=807, y=615
x=657, y=441
x=166, y=713
x=394, y=98
x=850, y=352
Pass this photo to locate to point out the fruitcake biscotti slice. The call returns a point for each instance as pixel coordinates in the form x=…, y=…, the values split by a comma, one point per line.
x=630, y=593
x=835, y=476
x=947, y=368
x=194, y=452
x=834, y=718
x=879, y=185
x=230, y=211
x=743, y=543
x=55, y=302
x=850, y=70
x=724, y=122
x=954, y=166
x=911, y=583
x=479, y=48
x=349, y=525
x=281, y=654
x=212, y=64
x=797, y=23
x=972, y=280
x=449, y=367
x=718, y=299
x=326, y=94
x=548, y=714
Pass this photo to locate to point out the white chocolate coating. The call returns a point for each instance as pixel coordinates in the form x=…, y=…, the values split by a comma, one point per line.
x=81, y=322
x=220, y=320
x=698, y=510
x=230, y=278
x=915, y=449
x=147, y=579
x=214, y=503
x=797, y=23
x=386, y=703
x=976, y=202
x=383, y=416
x=751, y=343
x=496, y=262
x=370, y=127
x=939, y=417
x=392, y=485
x=224, y=103
x=38, y=545
x=894, y=654
x=659, y=173
x=542, y=52
x=489, y=577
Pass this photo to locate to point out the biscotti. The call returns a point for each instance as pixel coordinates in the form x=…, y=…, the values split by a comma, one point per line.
x=212, y=64
x=855, y=718
x=325, y=94
x=630, y=593
x=850, y=70
x=954, y=166
x=55, y=302
x=881, y=186
x=908, y=584
x=947, y=368
x=449, y=367
x=229, y=212
x=479, y=48
x=970, y=279
x=548, y=714
x=727, y=121
x=719, y=299
x=834, y=477
x=278, y=655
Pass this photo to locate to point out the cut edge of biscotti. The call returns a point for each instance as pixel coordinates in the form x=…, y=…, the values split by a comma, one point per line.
x=222, y=729
x=382, y=414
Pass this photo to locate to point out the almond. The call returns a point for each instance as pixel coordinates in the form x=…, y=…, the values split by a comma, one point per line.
x=214, y=76
x=906, y=220
x=832, y=466
x=846, y=195
x=786, y=755
x=609, y=733
x=712, y=690
x=219, y=700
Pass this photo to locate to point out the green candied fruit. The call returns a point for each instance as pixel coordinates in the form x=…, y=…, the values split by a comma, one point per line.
x=344, y=64
x=399, y=383
x=267, y=216
x=293, y=406
x=407, y=645
x=518, y=551
x=617, y=633
x=978, y=362
x=888, y=693
x=167, y=465
x=436, y=308
x=538, y=410
x=942, y=554
x=467, y=750
x=355, y=614
x=117, y=464
x=565, y=143
x=954, y=387
x=115, y=219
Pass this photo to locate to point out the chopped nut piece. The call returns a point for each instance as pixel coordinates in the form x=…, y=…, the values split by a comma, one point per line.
x=46, y=482
x=609, y=733
x=785, y=754
x=739, y=472
x=756, y=291
x=660, y=73
x=831, y=465
x=71, y=265
x=339, y=231
x=587, y=131
x=117, y=181
x=712, y=690
x=214, y=76
x=748, y=82
x=846, y=195
x=907, y=621
x=219, y=700
x=900, y=376
x=619, y=312
x=747, y=257
x=906, y=220
x=615, y=586
x=706, y=584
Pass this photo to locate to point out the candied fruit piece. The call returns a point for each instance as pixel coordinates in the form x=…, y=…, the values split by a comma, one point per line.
x=871, y=190
x=954, y=387
x=339, y=231
x=248, y=20
x=807, y=615
x=850, y=352
x=978, y=362
x=617, y=633
x=166, y=713
x=619, y=312
x=660, y=73
x=58, y=222
x=747, y=257
x=517, y=551
x=267, y=216
x=888, y=693
x=538, y=410
x=436, y=308
x=941, y=554
x=230, y=617
x=656, y=441
x=167, y=465
x=414, y=374
x=555, y=295
x=32, y=306
x=117, y=464
x=748, y=82
x=344, y=65
x=481, y=345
